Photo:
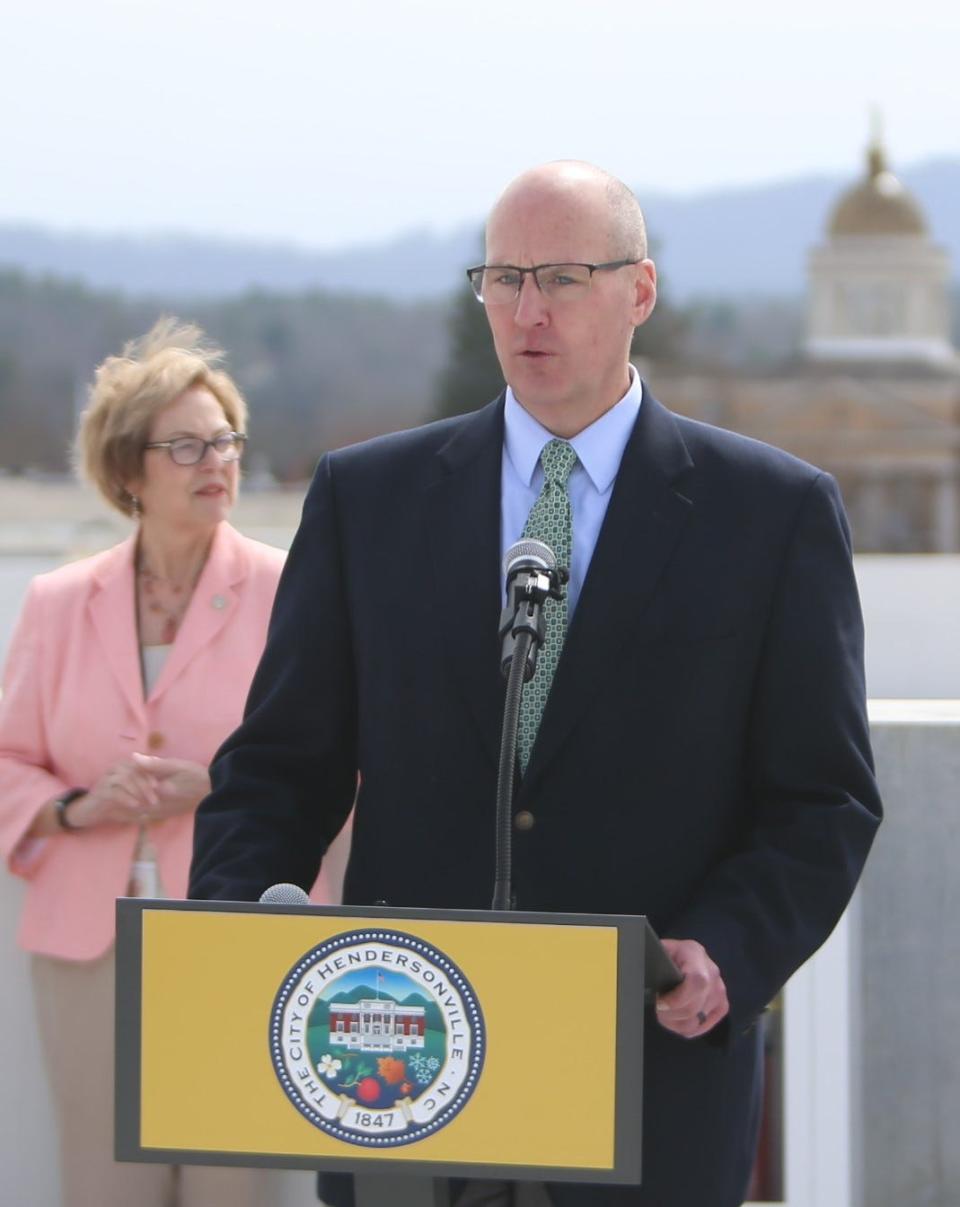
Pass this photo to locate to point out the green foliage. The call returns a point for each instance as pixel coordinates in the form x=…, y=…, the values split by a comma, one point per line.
x=663, y=336
x=318, y=369
x=472, y=376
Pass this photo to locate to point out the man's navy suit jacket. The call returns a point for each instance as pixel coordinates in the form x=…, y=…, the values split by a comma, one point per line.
x=703, y=759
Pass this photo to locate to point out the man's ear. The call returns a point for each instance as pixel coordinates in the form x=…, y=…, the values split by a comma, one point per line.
x=645, y=285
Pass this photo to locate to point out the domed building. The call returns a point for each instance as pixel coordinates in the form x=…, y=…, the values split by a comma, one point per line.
x=874, y=397
x=879, y=285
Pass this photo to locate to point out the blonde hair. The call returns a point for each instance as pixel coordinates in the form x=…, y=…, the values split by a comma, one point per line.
x=129, y=390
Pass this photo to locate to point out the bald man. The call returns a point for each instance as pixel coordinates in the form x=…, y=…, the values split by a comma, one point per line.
x=703, y=755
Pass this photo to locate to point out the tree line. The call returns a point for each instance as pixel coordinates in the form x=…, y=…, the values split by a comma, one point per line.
x=319, y=369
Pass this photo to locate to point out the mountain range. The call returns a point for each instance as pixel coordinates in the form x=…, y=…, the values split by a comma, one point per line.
x=724, y=243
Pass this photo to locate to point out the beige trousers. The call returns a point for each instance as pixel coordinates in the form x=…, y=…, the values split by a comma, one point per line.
x=74, y=1003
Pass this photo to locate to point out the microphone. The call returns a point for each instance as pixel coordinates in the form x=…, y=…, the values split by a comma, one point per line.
x=532, y=576
x=284, y=894
x=528, y=554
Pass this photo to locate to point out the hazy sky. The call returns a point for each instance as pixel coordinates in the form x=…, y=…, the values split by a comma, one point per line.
x=330, y=124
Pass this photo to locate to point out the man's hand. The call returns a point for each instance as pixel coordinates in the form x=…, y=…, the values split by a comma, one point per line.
x=700, y=1001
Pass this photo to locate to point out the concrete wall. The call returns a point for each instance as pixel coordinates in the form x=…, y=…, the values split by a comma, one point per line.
x=28, y=1157
x=908, y=1022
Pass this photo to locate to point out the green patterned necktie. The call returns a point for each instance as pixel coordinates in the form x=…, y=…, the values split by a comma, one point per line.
x=551, y=521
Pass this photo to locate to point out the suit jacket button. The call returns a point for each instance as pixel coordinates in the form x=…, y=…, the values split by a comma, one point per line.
x=155, y=741
x=524, y=820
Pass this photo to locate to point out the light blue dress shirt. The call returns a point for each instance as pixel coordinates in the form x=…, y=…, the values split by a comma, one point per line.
x=599, y=450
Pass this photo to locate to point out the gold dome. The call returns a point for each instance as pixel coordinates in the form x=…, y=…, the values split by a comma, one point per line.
x=878, y=204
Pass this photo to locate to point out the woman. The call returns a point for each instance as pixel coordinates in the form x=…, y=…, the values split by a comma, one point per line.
x=125, y=673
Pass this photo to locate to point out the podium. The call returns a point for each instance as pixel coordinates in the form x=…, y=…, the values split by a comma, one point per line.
x=384, y=1042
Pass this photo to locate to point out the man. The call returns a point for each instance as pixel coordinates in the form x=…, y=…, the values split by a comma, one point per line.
x=703, y=754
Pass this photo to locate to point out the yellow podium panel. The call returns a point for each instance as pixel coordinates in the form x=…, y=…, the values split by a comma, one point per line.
x=347, y=1039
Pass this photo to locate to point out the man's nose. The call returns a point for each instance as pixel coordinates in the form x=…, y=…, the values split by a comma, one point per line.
x=531, y=308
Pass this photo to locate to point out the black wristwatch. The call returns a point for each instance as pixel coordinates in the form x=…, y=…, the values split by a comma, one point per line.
x=60, y=806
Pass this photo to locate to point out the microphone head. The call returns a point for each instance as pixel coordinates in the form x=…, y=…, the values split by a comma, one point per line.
x=284, y=894
x=529, y=552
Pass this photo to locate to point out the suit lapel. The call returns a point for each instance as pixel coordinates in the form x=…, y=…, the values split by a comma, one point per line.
x=214, y=599
x=462, y=515
x=112, y=610
x=644, y=522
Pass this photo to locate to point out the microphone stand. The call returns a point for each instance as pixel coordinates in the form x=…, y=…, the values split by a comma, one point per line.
x=522, y=630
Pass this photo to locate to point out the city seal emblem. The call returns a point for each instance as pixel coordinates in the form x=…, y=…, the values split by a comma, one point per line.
x=377, y=1038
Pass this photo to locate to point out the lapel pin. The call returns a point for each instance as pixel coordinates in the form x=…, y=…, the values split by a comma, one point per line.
x=218, y=601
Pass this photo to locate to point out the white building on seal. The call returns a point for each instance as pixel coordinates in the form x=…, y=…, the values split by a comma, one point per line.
x=377, y=1025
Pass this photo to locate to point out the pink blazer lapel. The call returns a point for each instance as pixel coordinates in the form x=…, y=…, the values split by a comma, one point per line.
x=215, y=598
x=112, y=610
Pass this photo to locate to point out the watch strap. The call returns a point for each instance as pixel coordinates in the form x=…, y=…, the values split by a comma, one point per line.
x=60, y=807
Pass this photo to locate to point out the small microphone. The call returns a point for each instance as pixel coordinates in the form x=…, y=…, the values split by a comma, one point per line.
x=284, y=894
x=532, y=576
x=528, y=554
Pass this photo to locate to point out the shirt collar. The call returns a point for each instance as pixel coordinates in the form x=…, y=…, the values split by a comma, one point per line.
x=599, y=447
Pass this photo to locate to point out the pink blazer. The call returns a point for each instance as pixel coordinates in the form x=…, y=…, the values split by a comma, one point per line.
x=73, y=704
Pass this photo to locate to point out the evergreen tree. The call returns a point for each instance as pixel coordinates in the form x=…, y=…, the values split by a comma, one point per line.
x=663, y=336
x=472, y=376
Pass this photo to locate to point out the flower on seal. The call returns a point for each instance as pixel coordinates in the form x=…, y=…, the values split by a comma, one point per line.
x=329, y=1066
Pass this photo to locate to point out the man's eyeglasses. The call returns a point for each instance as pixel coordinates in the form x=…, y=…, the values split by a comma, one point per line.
x=191, y=450
x=497, y=284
